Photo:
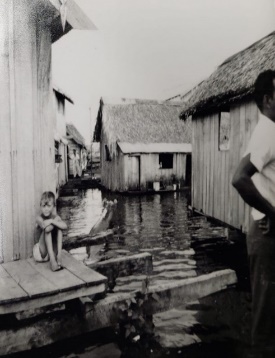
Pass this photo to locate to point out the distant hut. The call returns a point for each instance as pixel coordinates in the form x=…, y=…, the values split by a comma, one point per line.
x=224, y=116
x=142, y=142
x=28, y=29
x=75, y=142
x=60, y=141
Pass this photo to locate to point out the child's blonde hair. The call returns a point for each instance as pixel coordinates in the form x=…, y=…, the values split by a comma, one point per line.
x=46, y=197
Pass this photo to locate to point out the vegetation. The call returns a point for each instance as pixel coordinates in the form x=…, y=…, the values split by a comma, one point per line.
x=135, y=320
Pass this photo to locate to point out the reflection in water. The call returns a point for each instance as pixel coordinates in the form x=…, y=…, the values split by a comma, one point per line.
x=147, y=219
x=81, y=212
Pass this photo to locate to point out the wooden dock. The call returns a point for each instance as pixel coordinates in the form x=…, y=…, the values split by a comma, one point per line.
x=105, y=313
x=26, y=284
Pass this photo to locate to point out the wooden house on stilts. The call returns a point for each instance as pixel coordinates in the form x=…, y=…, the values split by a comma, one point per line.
x=143, y=145
x=223, y=118
x=60, y=140
x=75, y=142
x=27, y=159
x=27, y=116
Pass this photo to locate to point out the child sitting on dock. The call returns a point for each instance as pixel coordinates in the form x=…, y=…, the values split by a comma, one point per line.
x=49, y=246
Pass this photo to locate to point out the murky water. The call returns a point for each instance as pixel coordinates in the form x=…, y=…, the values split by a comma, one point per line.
x=158, y=224
x=182, y=247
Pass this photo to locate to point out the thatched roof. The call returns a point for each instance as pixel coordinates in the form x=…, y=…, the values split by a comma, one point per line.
x=234, y=78
x=142, y=121
x=73, y=133
x=184, y=97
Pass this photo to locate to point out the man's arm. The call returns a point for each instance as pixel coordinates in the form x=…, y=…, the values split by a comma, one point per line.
x=243, y=183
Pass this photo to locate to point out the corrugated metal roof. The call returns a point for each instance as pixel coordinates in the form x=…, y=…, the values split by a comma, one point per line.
x=128, y=148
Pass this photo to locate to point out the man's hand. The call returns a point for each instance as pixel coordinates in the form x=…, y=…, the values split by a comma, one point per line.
x=267, y=225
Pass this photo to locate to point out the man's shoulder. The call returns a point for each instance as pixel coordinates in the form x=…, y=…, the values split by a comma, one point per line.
x=264, y=131
x=265, y=124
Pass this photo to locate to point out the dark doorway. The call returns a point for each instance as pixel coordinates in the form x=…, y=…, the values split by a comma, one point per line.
x=188, y=170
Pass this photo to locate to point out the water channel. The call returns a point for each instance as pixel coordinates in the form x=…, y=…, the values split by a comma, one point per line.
x=182, y=246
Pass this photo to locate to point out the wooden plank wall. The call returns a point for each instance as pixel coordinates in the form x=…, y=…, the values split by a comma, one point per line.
x=6, y=207
x=116, y=174
x=112, y=172
x=150, y=170
x=24, y=44
x=27, y=164
x=133, y=171
x=44, y=135
x=60, y=127
x=212, y=169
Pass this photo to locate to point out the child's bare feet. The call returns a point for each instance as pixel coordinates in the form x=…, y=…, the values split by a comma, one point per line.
x=54, y=265
x=58, y=259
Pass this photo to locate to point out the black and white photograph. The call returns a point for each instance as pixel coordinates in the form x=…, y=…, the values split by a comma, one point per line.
x=137, y=178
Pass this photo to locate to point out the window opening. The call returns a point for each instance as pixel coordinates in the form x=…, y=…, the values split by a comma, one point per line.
x=166, y=160
x=224, y=130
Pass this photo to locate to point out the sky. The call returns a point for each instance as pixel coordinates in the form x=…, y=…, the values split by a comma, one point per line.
x=151, y=49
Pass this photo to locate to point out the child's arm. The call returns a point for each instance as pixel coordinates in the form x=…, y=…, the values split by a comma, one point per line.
x=40, y=222
x=59, y=223
x=49, y=226
x=44, y=224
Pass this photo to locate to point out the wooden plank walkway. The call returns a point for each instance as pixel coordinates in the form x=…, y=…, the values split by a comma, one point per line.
x=26, y=284
x=9, y=288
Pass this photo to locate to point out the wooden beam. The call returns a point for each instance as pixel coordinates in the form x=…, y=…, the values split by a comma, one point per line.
x=87, y=240
x=123, y=266
x=51, y=300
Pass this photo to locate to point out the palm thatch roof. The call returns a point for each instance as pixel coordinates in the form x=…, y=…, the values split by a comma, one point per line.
x=141, y=121
x=234, y=78
x=184, y=97
x=74, y=134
